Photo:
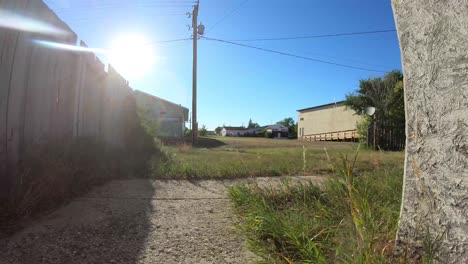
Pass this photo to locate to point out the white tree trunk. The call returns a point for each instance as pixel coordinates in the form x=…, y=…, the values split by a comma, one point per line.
x=433, y=37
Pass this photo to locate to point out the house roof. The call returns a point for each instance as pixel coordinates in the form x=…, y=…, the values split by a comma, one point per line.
x=160, y=99
x=234, y=128
x=339, y=103
x=274, y=125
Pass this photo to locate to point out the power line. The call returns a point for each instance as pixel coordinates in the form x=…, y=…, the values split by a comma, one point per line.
x=318, y=36
x=116, y=6
x=125, y=5
x=106, y=8
x=104, y=3
x=128, y=1
x=168, y=41
x=341, y=58
x=103, y=18
x=227, y=15
x=295, y=56
x=100, y=8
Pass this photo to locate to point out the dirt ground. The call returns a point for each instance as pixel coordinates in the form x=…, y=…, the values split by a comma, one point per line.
x=138, y=221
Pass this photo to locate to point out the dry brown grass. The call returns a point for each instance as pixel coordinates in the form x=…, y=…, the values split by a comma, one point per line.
x=51, y=175
x=258, y=142
x=224, y=157
x=184, y=148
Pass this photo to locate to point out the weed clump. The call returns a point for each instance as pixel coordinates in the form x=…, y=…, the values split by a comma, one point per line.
x=349, y=219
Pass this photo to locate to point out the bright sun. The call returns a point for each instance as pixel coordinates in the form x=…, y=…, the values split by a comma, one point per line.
x=131, y=56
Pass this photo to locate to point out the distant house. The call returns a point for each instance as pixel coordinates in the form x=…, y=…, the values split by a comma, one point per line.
x=277, y=131
x=169, y=116
x=228, y=131
x=328, y=122
x=211, y=133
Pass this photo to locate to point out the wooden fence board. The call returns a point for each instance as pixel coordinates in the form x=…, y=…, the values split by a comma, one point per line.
x=332, y=136
x=48, y=94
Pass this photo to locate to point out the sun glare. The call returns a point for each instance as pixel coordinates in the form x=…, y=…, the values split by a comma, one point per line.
x=131, y=56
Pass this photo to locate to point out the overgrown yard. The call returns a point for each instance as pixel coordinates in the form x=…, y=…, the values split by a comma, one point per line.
x=351, y=218
x=225, y=157
x=347, y=220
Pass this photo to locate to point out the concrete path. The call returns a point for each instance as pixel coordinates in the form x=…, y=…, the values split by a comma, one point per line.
x=138, y=221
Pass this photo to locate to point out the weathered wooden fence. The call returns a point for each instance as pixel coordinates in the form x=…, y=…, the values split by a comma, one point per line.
x=347, y=135
x=52, y=94
x=387, y=137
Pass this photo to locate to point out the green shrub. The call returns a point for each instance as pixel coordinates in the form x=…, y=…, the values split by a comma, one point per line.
x=362, y=127
x=267, y=134
x=203, y=131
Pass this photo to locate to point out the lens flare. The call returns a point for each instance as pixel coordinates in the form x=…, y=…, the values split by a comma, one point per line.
x=56, y=45
x=130, y=55
x=21, y=23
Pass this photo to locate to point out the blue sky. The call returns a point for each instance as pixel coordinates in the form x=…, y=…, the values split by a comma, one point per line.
x=236, y=83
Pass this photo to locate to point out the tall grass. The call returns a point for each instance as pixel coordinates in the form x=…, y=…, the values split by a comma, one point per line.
x=349, y=219
x=233, y=162
x=51, y=174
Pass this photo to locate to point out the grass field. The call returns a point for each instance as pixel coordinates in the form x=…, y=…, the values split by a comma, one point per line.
x=231, y=157
x=352, y=218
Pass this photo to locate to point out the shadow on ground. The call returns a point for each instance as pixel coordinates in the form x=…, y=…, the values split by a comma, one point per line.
x=202, y=142
x=135, y=221
x=140, y=221
x=205, y=142
x=109, y=225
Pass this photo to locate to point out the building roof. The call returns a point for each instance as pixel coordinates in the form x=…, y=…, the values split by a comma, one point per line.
x=274, y=125
x=318, y=107
x=160, y=99
x=234, y=128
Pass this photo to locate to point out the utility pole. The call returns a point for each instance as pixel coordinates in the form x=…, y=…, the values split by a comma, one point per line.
x=194, y=74
x=190, y=121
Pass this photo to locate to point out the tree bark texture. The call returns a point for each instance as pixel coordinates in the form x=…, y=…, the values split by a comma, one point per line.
x=433, y=37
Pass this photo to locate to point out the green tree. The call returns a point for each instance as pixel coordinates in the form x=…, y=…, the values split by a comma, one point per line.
x=386, y=95
x=218, y=130
x=294, y=134
x=203, y=131
x=252, y=124
x=290, y=124
x=188, y=132
x=266, y=133
x=397, y=107
x=287, y=122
